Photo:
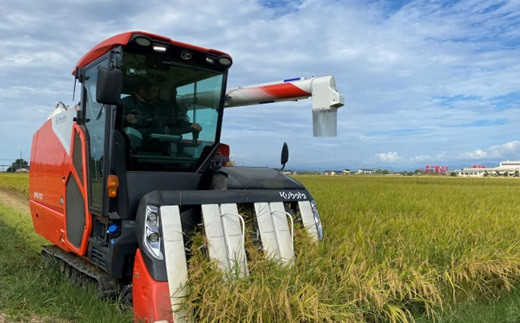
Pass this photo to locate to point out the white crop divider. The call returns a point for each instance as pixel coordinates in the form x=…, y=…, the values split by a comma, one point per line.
x=175, y=257
x=237, y=256
x=292, y=230
x=266, y=228
x=289, y=215
x=226, y=236
x=277, y=239
x=215, y=235
x=308, y=219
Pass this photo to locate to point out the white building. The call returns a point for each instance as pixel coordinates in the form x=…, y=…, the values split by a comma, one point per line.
x=365, y=171
x=506, y=167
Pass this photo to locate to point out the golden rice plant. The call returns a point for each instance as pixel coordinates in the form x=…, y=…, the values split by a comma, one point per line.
x=394, y=248
x=15, y=182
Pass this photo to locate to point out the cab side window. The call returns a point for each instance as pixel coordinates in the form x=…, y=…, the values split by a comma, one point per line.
x=95, y=124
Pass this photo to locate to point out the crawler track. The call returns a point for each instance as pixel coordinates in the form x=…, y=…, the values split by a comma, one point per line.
x=81, y=271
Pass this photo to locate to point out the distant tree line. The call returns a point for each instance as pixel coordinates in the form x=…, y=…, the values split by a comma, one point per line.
x=17, y=164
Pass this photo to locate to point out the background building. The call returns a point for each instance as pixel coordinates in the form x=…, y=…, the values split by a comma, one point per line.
x=506, y=168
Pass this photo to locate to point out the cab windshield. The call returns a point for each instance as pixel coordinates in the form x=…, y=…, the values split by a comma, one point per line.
x=170, y=113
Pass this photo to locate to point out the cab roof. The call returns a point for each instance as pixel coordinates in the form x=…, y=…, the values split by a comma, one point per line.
x=123, y=39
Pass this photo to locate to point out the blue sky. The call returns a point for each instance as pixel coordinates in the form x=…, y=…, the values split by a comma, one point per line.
x=425, y=82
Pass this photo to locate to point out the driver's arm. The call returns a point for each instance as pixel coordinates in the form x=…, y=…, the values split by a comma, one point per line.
x=129, y=112
x=180, y=122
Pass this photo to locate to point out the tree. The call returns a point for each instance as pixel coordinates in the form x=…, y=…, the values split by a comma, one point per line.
x=17, y=164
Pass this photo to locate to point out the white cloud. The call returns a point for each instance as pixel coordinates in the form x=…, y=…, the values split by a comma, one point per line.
x=439, y=157
x=388, y=157
x=421, y=158
x=509, y=150
x=38, y=59
x=476, y=154
x=427, y=79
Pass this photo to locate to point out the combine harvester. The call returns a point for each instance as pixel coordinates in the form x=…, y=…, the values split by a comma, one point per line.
x=120, y=204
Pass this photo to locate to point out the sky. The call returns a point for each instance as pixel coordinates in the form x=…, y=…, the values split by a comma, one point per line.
x=425, y=82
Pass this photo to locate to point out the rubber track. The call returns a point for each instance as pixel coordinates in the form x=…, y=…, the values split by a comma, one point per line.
x=108, y=285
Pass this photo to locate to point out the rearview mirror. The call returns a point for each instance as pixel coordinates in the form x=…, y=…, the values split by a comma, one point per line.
x=109, y=86
x=285, y=155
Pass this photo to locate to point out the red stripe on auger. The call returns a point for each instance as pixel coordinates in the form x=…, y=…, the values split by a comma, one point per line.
x=284, y=91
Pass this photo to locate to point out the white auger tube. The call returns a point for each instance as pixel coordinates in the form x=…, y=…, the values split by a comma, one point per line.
x=325, y=99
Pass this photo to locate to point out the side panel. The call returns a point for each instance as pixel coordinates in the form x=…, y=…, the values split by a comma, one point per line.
x=48, y=168
x=49, y=224
x=57, y=175
x=47, y=184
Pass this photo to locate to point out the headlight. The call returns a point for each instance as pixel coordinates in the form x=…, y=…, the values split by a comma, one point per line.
x=317, y=220
x=152, y=235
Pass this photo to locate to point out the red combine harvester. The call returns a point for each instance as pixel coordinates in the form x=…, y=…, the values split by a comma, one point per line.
x=120, y=182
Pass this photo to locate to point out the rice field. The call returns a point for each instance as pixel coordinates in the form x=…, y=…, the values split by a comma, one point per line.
x=17, y=183
x=395, y=249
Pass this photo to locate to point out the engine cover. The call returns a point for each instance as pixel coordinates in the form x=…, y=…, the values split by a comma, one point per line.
x=252, y=178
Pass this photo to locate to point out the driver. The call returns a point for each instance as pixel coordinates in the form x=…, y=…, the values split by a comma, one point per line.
x=145, y=111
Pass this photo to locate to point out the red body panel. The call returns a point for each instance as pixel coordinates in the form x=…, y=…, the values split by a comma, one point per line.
x=51, y=168
x=49, y=224
x=222, y=154
x=124, y=38
x=151, y=298
x=46, y=185
x=48, y=168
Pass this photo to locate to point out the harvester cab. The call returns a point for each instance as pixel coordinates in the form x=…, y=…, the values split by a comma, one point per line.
x=119, y=182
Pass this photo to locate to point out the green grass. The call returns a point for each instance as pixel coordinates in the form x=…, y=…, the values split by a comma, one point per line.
x=32, y=289
x=505, y=307
x=395, y=249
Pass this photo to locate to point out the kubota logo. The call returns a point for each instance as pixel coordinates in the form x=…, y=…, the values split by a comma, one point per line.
x=38, y=195
x=293, y=196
